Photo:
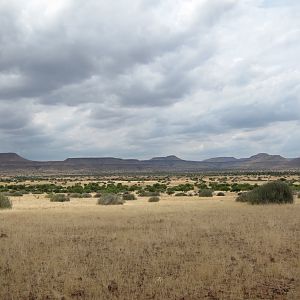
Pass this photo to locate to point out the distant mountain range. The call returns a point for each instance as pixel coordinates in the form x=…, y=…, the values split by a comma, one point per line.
x=13, y=163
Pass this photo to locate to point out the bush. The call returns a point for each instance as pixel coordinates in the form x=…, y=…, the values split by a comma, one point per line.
x=220, y=194
x=180, y=194
x=5, y=203
x=110, y=199
x=298, y=196
x=128, y=196
x=272, y=192
x=143, y=193
x=86, y=195
x=59, y=198
x=97, y=195
x=154, y=199
x=206, y=193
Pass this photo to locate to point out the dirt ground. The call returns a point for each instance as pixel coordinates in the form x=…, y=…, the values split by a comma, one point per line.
x=178, y=248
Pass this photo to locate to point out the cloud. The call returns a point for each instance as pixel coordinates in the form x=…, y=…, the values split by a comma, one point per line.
x=195, y=78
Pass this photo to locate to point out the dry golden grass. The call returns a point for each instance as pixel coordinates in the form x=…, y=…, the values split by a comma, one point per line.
x=179, y=248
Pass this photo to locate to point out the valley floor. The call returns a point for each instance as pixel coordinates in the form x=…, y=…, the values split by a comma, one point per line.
x=179, y=248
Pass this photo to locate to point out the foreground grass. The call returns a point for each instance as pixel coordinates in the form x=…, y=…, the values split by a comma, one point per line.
x=174, y=249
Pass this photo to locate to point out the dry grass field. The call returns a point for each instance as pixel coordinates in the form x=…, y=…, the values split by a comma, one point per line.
x=178, y=248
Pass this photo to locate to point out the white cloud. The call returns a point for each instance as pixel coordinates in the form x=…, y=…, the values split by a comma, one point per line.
x=146, y=78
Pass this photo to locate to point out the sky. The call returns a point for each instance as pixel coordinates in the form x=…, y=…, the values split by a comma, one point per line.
x=145, y=78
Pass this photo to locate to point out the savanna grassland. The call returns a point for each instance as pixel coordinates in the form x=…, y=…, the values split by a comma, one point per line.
x=182, y=247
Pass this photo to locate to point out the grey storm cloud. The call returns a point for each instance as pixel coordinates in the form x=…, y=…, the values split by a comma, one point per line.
x=195, y=78
x=12, y=119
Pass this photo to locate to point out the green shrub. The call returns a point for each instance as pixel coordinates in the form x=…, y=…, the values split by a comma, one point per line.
x=97, y=195
x=59, y=198
x=110, y=199
x=180, y=188
x=144, y=193
x=170, y=191
x=220, y=186
x=237, y=187
x=129, y=196
x=220, y=194
x=180, y=194
x=272, y=192
x=206, y=193
x=5, y=203
x=154, y=199
x=86, y=195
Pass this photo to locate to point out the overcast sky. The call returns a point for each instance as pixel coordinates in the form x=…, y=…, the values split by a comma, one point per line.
x=142, y=78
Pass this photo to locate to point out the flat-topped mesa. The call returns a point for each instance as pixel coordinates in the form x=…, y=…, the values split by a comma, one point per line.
x=99, y=160
x=166, y=158
x=266, y=157
x=12, y=158
x=221, y=160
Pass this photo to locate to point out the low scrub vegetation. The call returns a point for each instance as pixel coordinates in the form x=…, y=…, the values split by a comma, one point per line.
x=180, y=188
x=272, y=192
x=128, y=196
x=154, y=199
x=144, y=193
x=220, y=186
x=5, y=202
x=180, y=194
x=16, y=194
x=59, y=198
x=110, y=199
x=237, y=187
x=220, y=194
x=206, y=193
